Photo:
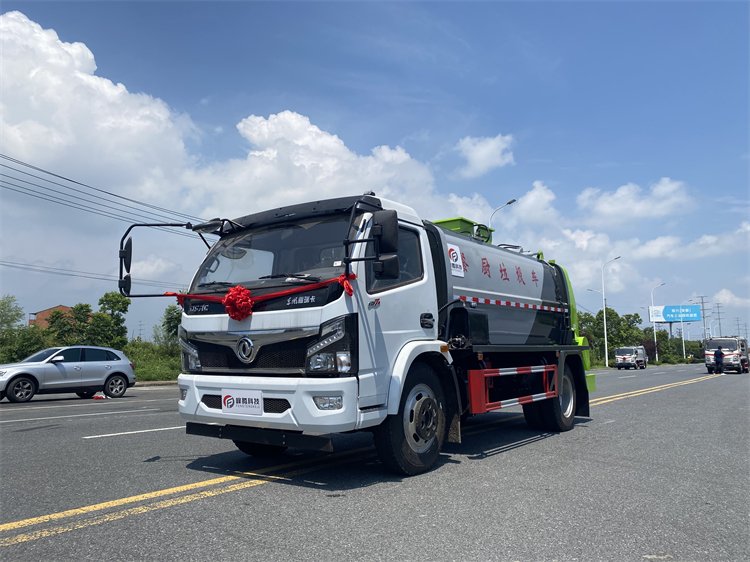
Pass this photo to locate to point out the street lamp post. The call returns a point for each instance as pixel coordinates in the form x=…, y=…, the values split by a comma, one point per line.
x=510, y=202
x=656, y=348
x=604, y=309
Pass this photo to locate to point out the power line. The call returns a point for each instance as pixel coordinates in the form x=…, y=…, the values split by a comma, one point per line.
x=53, y=174
x=110, y=205
x=84, y=274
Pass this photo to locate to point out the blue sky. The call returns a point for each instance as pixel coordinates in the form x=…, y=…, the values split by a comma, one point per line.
x=621, y=127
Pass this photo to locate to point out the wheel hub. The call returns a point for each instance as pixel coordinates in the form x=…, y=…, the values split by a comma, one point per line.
x=425, y=415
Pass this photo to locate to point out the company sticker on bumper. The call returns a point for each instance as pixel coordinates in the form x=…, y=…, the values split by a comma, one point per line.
x=248, y=402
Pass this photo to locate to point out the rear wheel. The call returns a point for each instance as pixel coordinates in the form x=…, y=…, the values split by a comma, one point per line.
x=410, y=442
x=260, y=449
x=21, y=389
x=115, y=386
x=559, y=413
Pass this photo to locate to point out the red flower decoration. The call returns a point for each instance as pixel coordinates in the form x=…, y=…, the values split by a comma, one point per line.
x=238, y=303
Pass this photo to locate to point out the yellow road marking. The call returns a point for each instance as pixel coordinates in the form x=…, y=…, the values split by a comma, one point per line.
x=114, y=516
x=264, y=474
x=13, y=525
x=641, y=392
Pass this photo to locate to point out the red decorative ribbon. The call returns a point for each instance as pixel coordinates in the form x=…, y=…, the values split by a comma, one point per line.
x=239, y=301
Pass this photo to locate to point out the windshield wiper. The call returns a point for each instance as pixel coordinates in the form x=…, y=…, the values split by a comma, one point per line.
x=299, y=276
x=216, y=284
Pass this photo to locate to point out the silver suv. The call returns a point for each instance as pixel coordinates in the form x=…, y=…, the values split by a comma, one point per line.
x=81, y=369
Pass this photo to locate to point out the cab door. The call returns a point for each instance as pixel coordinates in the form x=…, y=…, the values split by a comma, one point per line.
x=396, y=311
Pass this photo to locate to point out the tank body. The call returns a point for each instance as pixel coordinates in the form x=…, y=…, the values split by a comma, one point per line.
x=524, y=298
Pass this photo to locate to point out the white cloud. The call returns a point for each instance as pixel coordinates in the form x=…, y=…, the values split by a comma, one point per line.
x=56, y=112
x=728, y=298
x=629, y=203
x=483, y=154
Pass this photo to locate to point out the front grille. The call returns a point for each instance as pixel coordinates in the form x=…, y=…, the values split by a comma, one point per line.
x=270, y=405
x=283, y=355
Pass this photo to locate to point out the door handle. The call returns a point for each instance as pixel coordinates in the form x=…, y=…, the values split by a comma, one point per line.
x=426, y=320
x=77, y=368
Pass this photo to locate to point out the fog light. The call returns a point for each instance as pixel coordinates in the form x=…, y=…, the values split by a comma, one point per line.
x=329, y=402
x=183, y=393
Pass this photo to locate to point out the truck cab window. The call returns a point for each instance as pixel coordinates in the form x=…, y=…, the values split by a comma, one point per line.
x=409, y=259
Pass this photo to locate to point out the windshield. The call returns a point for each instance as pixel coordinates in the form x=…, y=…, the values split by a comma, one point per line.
x=41, y=355
x=311, y=249
x=625, y=351
x=726, y=344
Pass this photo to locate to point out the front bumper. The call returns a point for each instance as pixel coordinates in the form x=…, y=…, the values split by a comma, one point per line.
x=288, y=402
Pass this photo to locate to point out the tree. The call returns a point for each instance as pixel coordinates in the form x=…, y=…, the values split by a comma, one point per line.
x=71, y=327
x=11, y=313
x=107, y=327
x=165, y=335
x=20, y=343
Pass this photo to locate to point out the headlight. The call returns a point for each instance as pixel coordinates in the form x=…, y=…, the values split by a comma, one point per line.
x=335, y=350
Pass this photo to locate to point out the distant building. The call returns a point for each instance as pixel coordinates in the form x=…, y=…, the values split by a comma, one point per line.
x=41, y=318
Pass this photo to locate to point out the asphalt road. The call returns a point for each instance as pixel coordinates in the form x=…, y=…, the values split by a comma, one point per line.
x=660, y=472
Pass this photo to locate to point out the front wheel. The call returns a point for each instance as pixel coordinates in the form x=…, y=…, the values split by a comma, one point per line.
x=115, y=386
x=410, y=442
x=21, y=389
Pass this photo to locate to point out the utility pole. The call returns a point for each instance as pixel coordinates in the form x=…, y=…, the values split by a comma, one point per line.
x=738, y=327
x=703, y=313
x=718, y=317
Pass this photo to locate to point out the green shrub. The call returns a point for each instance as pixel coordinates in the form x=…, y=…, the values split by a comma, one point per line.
x=152, y=362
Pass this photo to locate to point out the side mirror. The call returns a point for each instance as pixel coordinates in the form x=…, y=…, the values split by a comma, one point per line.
x=385, y=231
x=386, y=267
x=57, y=359
x=126, y=254
x=124, y=285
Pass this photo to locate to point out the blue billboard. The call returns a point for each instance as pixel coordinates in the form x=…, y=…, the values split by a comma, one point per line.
x=675, y=313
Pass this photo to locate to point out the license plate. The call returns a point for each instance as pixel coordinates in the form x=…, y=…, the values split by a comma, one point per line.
x=248, y=402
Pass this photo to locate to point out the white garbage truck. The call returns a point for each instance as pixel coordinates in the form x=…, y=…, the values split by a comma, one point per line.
x=356, y=314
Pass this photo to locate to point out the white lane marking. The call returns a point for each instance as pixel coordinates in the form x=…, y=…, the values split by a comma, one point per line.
x=134, y=432
x=628, y=377
x=82, y=415
x=89, y=402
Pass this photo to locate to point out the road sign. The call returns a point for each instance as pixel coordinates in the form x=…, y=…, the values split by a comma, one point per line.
x=675, y=313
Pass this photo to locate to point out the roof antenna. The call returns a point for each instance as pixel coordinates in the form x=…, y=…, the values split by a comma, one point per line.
x=369, y=193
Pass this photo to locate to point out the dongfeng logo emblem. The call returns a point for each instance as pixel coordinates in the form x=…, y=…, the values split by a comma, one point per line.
x=245, y=350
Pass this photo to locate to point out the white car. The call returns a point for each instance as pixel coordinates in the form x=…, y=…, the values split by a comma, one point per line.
x=82, y=369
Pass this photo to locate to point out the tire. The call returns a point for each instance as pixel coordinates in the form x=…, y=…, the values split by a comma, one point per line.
x=115, y=386
x=409, y=443
x=21, y=389
x=559, y=414
x=260, y=449
x=710, y=370
x=86, y=394
x=532, y=413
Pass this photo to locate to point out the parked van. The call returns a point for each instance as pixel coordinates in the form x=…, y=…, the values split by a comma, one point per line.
x=628, y=357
